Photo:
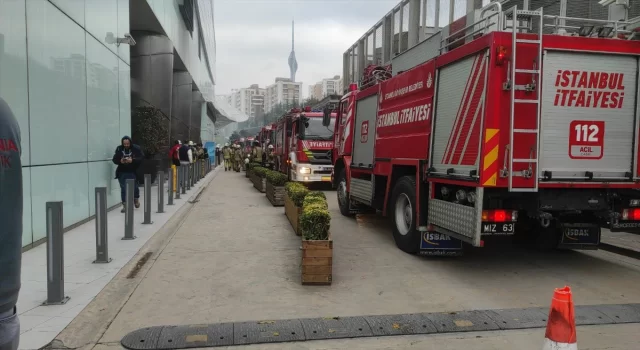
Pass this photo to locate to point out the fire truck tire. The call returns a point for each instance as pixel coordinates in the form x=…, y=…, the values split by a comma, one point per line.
x=342, y=194
x=403, y=214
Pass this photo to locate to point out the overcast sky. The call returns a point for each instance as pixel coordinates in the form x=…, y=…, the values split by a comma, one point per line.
x=253, y=38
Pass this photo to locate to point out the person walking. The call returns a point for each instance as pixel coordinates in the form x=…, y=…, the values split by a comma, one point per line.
x=238, y=161
x=256, y=153
x=128, y=158
x=11, y=231
x=186, y=157
x=227, y=157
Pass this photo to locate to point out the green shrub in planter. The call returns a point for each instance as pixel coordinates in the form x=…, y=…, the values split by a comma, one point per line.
x=260, y=171
x=296, y=191
x=315, y=222
x=310, y=200
x=318, y=194
x=251, y=166
x=276, y=178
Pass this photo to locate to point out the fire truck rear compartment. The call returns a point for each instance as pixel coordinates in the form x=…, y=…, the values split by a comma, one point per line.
x=588, y=116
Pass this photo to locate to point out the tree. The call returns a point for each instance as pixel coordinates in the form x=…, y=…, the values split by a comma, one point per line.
x=311, y=101
x=149, y=130
x=244, y=133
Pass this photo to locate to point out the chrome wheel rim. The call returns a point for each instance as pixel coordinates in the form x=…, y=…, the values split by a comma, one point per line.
x=403, y=214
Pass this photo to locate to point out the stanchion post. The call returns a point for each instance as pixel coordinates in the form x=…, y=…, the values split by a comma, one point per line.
x=55, y=255
x=147, y=200
x=171, y=189
x=160, y=191
x=188, y=177
x=183, y=176
x=128, y=210
x=102, y=246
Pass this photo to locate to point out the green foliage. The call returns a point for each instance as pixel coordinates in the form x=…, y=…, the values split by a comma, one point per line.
x=276, y=178
x=149, y=129
x=252, y=165
x=318, y=194
x=315, y=220
x=310, y=200
x=260, y=171
x=296, y=191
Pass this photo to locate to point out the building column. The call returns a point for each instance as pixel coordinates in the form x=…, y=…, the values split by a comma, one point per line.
x=195, y=122
x=152, y=71
x=181, y=112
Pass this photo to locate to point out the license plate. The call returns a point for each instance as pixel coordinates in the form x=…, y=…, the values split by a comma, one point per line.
x=326, y=178
x=580, y=234
x=489, y=228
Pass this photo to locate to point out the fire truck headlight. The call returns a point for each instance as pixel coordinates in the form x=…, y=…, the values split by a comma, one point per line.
x=304, y=170
x=461, y=195
x=471, y=197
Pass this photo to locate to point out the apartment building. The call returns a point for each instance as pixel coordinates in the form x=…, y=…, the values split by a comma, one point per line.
x=326, y=87
x=249, y=101
x=282, y=91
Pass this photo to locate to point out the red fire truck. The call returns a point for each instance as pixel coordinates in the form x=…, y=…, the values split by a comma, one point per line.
x=266, y=135
x=303, y=145
x=501, y=131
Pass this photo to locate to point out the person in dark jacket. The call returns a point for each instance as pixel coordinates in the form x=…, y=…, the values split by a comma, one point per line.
x=128, y=158
x=11, y=227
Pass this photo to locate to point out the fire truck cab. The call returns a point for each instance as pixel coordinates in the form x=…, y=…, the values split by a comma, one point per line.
x=303, y=146
x=501, y=129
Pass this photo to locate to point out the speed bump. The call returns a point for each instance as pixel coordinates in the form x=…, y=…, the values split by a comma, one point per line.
x=274, y=331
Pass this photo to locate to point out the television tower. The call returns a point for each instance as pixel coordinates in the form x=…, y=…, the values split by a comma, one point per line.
x=293, y=63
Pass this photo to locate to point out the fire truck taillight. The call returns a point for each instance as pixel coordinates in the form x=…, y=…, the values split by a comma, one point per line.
x=307, y=108
x=631, y=214
x=501, y=55
x=499, y=215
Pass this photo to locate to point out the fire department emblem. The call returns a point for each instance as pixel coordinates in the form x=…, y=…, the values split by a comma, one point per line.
x=429, y=81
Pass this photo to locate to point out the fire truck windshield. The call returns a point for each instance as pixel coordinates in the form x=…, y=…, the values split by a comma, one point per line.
x=317, y=131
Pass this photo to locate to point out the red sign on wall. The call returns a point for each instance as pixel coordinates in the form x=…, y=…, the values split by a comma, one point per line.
x=364, y=131
x=586, y=139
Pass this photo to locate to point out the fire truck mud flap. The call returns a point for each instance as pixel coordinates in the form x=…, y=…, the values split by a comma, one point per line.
x=438, y=244
x=579, y=236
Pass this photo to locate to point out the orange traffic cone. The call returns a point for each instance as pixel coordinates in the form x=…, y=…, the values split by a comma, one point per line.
x=561, y=324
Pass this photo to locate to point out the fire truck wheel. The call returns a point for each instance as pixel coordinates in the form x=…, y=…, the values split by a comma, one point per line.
x=343, y=195
x=403, y=214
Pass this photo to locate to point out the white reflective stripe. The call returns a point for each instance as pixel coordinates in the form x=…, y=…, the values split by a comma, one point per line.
x=552, y=345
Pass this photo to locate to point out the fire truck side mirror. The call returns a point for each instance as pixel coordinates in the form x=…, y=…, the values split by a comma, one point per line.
x=326, y=117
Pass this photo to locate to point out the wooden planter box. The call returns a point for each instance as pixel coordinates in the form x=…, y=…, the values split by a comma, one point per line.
x=275, y=194
x=259, y=183
x=317, y=262
x=293, y=214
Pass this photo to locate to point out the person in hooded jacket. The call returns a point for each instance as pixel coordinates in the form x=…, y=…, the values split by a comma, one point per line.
x=11, y=227
x=128, y=158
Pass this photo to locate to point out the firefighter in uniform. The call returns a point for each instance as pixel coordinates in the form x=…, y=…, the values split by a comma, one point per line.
x=226, y=152
x=237, y=159
x=270, y=158
x=256, y=153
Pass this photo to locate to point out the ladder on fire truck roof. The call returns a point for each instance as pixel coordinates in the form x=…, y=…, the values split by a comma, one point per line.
x=517, y=16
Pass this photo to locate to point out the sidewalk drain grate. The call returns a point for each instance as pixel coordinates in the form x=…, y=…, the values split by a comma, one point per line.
x=143, y=260
x=277, y=331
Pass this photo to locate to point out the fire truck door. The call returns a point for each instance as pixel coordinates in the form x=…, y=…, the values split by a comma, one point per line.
x=364, y=131
x=588, y=116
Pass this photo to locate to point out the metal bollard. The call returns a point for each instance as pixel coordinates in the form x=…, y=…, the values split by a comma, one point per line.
x=188, y=177
x=193, y=174
x=147, y=200
x=55, y=255
x=102, y=247
x=198, y=165
x=170, y=195
x=128, y=210
x=160, y=191
x=183, y=176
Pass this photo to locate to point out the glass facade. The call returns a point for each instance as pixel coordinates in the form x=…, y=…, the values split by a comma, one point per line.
x=69, y=85
x=70, y=91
